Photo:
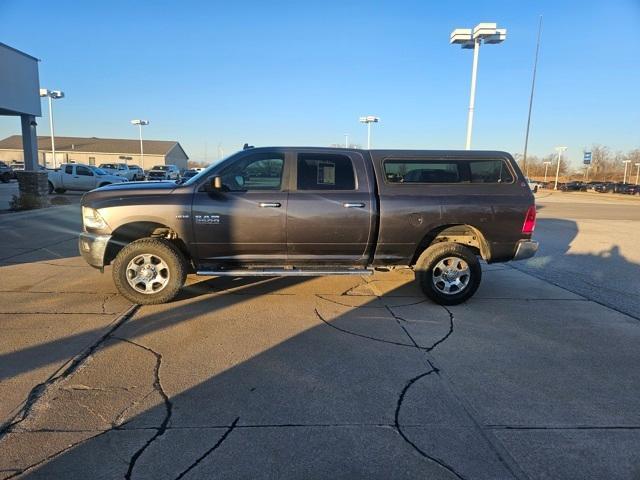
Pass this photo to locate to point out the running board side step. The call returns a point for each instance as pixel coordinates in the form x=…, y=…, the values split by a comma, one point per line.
x=282, y=272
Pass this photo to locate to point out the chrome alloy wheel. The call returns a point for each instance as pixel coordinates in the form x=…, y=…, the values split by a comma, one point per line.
x=147, y=273
x=451, y=275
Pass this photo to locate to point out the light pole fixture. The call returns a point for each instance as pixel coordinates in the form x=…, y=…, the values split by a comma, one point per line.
x=52, y=95
x=346, y=140
x=546, y=165
x=369, y=119
x=559, y=150
x=637, y=172
x=626, y=164
x=472, y=38
x=140, y=124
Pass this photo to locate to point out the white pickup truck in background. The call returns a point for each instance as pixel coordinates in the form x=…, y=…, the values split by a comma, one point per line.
x=76, y=176
x=131, y=173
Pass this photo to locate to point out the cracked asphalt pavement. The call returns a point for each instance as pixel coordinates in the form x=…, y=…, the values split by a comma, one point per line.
x=333, y=377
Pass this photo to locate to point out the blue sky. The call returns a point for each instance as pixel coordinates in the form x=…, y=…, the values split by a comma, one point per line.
x=301, y=73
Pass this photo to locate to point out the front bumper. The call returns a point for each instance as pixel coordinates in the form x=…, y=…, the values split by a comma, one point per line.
x=525, y=249
x=93, y=248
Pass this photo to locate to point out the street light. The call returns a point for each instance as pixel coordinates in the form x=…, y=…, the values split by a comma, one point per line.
x=468, y=38
x=369, y=119
x=626, y=164
x=546, y=165
x=346, y=140
x=140, y=124
x=52, y=95
x=559, y=150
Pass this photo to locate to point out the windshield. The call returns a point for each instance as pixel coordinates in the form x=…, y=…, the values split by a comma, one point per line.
x=98, y=171
x=203, y=173
x=108, y=165
x=160, y=167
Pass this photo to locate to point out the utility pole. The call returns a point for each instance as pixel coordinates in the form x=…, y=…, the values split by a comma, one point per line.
x=559, y=150
x=546, y=166
x=533, y=86
x=626, y=163
x=140, y=124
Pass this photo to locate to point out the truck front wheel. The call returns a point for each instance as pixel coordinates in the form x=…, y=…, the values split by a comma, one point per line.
x=448, y=273
x=149, y=271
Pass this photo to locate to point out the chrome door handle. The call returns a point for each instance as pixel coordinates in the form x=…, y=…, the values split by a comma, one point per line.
x=353, y=205
x=269, y=204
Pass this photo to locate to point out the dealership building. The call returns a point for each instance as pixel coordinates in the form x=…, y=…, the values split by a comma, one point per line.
x=95, y=151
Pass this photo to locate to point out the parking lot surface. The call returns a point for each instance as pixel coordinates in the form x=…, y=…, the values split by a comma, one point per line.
x=335, y=377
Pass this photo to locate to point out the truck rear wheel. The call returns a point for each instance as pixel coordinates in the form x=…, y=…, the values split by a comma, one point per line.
x=448, y=273
x=61, y=190
x=149, y=271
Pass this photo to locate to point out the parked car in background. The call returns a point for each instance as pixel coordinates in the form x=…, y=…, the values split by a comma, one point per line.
x=533, y=185
x=164, y=172
x=76, y=176
x=630, y=189
x=574, y=186
x=122, y=170
x=189, y=173
x=138, y=172
x=6, y=173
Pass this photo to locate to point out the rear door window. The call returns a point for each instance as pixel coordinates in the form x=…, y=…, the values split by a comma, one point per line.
x=323, y=171
x=422, y=171
x=489, y=171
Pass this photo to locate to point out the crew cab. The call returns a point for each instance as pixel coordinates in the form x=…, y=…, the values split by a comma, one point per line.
x=122, y=170
x=164, y=172
x=76, y=176
x=315, y=211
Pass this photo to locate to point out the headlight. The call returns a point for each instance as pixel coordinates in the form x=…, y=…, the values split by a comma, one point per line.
x=92, y=219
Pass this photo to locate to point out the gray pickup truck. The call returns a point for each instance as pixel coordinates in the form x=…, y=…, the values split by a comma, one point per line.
x=315, y=211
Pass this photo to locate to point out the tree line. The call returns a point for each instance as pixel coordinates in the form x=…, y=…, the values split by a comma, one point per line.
x=606, y=166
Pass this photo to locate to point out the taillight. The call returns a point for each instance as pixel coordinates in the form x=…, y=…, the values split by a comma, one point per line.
x=529, y=220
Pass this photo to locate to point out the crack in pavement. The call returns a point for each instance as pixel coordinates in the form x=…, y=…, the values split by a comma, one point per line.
x=390, y=342
x=157, y=385
x=398, y=428
x=211, y=450
x=323, y=296
x=433, y=369
x=19, y=472
x=63, y=372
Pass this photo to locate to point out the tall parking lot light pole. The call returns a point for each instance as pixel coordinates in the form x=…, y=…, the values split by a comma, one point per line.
x=546, y=166
x=140, y=124
x=369, y=119
x=559, y=150
x=472, y=38
x=346, y=140
x=626, y=164
x=52, y=95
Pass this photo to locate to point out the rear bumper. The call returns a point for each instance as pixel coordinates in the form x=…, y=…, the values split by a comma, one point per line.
x=525, y=249
x=93, y=247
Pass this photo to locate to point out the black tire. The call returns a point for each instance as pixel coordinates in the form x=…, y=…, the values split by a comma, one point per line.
x=535, y=189
x=176, y=266
x=430, y=260
x=5, y=177
x=61, y=190
x=50, y=188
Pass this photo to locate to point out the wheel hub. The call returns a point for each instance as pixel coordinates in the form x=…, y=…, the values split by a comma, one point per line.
x=147, y=273
x=451, y=275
